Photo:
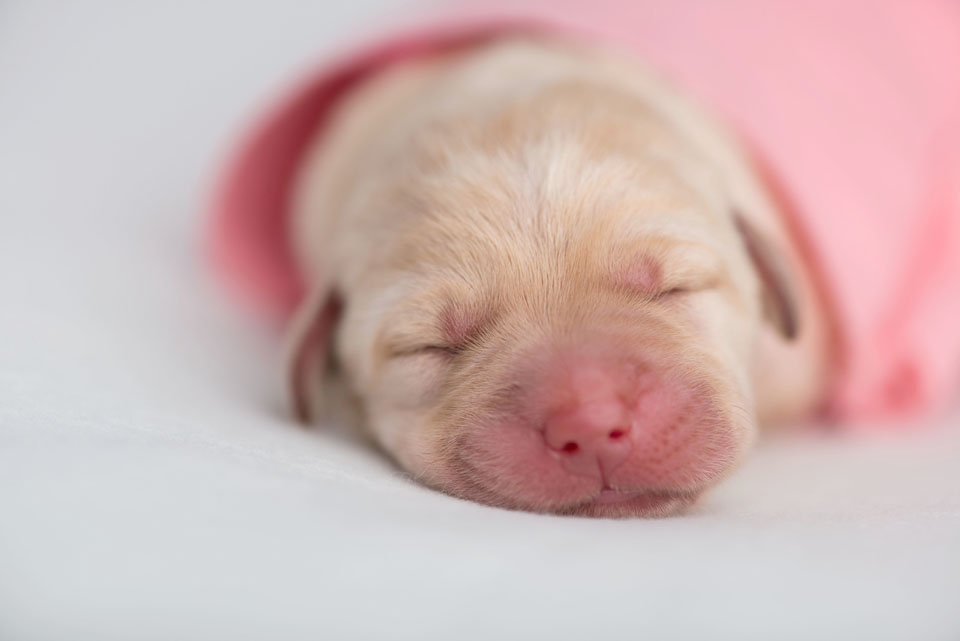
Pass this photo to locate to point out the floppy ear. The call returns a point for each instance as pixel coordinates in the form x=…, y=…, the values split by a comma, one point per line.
x=309, y=336
x=779, y=293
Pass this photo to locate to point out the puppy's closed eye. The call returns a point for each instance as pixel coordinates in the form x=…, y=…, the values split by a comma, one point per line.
x=446, y=351
x=413, y=331
x=676, y=290
x=445, y=335
x=669, y=269
x=422, y=328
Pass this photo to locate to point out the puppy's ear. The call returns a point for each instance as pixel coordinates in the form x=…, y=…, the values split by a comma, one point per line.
x=308, y=344
x=779, y=293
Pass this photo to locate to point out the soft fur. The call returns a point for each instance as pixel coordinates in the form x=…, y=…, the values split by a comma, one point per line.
x=478, y=228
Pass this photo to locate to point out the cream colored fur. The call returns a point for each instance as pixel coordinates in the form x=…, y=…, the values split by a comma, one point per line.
x=517, y=187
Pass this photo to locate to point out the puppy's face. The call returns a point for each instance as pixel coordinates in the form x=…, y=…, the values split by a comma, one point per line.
x=546, y=317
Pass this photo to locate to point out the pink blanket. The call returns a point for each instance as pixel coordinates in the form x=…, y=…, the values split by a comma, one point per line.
x=852, y=108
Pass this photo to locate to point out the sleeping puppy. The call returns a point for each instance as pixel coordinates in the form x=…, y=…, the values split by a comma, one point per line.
x=548, y=282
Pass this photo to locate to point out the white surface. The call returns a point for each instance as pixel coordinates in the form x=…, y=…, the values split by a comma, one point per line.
x=150, y=488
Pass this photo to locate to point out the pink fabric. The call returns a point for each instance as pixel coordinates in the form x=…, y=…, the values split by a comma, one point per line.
x=853, y=108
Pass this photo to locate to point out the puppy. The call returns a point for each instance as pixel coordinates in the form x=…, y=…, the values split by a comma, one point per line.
x=548, y=281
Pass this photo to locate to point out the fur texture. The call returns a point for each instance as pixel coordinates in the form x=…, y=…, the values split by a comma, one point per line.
x=480, y=229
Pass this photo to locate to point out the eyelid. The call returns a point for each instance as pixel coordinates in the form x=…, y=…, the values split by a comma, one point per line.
x=666, y=266
x=687, y=286
x=448, y=331
x=672, y=291
x=691, y=268
x=406, y=336
x=418, y=350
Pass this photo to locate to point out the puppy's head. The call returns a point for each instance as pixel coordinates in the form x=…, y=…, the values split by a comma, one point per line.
x=550, y=308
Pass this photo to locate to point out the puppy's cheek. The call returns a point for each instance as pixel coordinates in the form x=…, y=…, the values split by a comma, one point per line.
x=411, y=383
x=416, y=444
x=400, y=407
x=404, y=436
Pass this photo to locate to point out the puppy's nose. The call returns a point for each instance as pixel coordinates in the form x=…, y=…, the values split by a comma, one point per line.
x=593, y=438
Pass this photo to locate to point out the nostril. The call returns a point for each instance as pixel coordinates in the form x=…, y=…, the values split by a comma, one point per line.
x=616, y=434
x=570, y=447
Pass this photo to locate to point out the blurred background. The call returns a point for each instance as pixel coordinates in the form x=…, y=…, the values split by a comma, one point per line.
x=151, y=487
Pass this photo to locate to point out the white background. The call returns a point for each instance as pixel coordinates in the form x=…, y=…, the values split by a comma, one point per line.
x=151, y=487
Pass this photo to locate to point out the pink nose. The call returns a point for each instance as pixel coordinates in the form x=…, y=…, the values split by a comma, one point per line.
x=593, y=438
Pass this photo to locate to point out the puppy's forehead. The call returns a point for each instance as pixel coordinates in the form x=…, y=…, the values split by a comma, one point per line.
x=462, y=267
x=465, y=236
x=542, y=217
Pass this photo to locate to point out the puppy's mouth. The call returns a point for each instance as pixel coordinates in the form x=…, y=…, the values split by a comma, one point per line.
x=465, y=481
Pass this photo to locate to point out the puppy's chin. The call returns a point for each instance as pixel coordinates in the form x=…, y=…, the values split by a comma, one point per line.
x=614, y=504
x=454, y=477
x=604, y=503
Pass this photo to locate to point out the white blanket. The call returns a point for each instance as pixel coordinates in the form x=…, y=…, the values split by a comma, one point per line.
x=151, y=487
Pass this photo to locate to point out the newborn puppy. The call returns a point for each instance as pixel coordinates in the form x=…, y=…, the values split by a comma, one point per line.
x=548, y=282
